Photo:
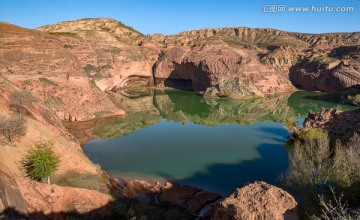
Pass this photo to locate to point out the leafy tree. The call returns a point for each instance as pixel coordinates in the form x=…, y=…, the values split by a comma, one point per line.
x=41, y=162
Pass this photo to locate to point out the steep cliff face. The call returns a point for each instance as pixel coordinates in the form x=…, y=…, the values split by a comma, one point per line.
x=327, y=62
x=112, y=54
x=221, y=70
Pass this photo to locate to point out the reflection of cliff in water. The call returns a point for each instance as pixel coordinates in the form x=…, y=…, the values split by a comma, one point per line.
x=180, y=106
x=186, y=107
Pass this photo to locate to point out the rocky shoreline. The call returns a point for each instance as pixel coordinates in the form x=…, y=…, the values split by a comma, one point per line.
x=191, y=199
x=272, y=202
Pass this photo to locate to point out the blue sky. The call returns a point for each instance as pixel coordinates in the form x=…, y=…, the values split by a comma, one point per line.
x=169, y=17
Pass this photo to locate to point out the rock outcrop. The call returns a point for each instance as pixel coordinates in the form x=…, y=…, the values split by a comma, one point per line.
x=12, y=204
x=340, y=125
x=255, y=201
x=221, y=70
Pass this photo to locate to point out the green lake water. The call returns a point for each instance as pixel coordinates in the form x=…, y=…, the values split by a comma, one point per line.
x=214, y=144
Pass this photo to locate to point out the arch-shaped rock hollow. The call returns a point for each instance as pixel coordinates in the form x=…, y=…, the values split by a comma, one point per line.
x=135, y=80
x=183, y=76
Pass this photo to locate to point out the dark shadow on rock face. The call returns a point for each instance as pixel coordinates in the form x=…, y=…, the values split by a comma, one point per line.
x=221, y=176
x=189, y=77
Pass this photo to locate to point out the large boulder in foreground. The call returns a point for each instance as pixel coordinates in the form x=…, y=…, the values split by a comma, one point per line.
x=257, y=200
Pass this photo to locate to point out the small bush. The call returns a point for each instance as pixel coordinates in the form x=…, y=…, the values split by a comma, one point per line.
x=41, y=162
x=292, y=125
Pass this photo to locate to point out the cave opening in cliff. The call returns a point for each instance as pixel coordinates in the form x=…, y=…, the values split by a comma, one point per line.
x=181, y=84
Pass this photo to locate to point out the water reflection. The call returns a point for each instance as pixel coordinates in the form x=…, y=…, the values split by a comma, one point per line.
x=212, y=143
x=185, y=107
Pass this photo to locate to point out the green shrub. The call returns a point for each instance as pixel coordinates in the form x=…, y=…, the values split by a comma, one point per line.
x=292, y=125
x=41, y=162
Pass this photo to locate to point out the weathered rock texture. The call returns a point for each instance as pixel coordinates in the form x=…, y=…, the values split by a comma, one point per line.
x=328, y=62
x=11, y=201
x=68, y=64
x=256, y=201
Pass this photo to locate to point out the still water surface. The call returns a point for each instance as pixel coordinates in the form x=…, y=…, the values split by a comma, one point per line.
x=217, y=145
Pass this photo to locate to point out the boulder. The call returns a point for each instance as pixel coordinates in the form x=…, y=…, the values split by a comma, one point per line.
x=256, y=201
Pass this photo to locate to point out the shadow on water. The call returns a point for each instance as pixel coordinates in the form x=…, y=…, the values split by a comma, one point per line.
x=225, y=178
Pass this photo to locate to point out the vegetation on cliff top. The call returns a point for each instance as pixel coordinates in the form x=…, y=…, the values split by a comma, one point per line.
x=317, y=164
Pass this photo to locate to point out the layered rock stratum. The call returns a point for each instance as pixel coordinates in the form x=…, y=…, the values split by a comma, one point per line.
x=76, y=61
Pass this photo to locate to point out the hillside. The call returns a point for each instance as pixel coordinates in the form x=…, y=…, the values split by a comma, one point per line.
x=30, y=196
x=233, y=62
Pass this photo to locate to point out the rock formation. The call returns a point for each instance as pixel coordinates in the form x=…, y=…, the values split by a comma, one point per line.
x=255, y=201
x=69, y=62
x=340, y=125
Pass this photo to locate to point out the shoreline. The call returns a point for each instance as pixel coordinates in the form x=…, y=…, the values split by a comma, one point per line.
x=193, y=200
